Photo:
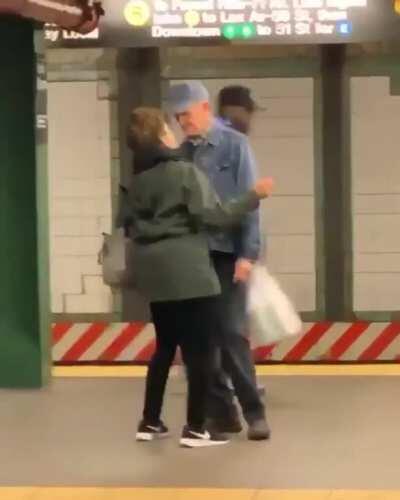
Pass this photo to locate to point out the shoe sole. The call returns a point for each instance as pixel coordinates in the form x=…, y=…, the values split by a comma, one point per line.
x=200, y=443
x=146, y=437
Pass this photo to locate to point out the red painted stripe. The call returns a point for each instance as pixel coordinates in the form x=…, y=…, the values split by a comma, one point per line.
x=302, y=347
x=59, y=330
x=146, y=353
x=263, y=353
x=380, y=343
x=84, y=342
x=260, y=354
x=128, y=334
x=346, y=340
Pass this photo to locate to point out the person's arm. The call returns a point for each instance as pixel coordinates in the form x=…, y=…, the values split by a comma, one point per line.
x=206, y=208
x=249, y=236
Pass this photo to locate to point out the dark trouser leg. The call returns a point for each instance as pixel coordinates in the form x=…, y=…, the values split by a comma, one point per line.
x=198, y=324
x=188, y=324
x=221, y=404
x=235, y=354
x=164, y=318
x=237, y=361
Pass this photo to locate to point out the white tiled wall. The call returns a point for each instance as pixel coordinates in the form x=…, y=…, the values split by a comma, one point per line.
x=376, y=194
x=80, y=187
x=283, y=141
x=80, y=195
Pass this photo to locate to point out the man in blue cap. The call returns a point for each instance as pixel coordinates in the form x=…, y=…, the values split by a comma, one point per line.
x=226, y=158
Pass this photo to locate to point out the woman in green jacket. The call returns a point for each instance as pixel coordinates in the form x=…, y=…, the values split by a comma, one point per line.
x=170, y=204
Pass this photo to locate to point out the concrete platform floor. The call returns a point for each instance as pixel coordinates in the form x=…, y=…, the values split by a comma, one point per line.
x=329, y=433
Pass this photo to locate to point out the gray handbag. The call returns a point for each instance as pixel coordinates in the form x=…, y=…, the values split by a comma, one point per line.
x=116, y=259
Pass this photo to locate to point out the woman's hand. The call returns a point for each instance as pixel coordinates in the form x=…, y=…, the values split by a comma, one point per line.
x=264, y=187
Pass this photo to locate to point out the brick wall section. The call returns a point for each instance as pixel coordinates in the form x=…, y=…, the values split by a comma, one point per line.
x=81, y=177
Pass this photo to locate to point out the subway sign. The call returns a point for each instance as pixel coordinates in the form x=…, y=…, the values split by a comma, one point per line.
x=129, y=23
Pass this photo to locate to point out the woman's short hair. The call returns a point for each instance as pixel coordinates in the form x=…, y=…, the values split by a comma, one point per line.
x=146, y=126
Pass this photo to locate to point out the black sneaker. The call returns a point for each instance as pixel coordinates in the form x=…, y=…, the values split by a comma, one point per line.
x=147, y=432
x=259, y=431
x=195, y=439
x=231, y=425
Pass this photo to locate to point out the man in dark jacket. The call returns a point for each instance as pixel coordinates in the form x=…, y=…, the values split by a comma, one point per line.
x=236, y=109
x=225, y=156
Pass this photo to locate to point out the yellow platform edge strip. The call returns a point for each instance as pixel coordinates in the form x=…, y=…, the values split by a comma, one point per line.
x=384, y=370
x=189, y=494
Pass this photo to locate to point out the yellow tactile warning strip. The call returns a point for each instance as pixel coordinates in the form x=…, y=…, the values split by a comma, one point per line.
x=384, y=370
x=188, y=494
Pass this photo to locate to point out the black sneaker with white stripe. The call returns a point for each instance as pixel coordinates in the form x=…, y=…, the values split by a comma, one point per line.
x=147, y=432
x=192, y=438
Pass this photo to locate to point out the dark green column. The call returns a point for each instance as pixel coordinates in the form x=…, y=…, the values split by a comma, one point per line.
x=336, y=184
x=139, y=84
x=24, y=328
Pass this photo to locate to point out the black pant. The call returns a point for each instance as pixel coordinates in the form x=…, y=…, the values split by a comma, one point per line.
x=234, y=357
x=188, y=324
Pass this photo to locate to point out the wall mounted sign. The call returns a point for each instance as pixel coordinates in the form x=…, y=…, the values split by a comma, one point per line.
x=129, y=23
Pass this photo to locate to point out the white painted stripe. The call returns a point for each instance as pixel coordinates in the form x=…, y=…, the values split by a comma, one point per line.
x=139, y=343
x=364, y=341
x=286, y=346
x=105, y=340
x=326, y=341
x=60, y=7
x=70, y=338
x=282, y=348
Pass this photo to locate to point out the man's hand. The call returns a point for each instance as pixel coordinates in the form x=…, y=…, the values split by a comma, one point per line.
x=243, y=269
x=264, y=187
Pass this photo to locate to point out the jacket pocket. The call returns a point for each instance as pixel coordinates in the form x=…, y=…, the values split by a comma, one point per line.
x=224, y=166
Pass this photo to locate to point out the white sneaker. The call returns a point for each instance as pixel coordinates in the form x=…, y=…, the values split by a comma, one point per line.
x=195, y=439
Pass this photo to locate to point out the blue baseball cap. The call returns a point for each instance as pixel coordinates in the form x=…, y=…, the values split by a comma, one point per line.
x=183, y=95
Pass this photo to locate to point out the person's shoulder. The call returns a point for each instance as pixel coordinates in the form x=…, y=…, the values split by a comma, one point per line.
x=180, y=168
x=179, y=163
x=230, y=134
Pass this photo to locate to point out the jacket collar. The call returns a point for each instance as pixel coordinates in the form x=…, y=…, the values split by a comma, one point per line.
x=213, y=136
x=215, y=133
x=148, y=157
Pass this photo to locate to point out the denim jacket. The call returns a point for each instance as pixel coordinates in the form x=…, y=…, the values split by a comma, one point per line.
x=225, y=156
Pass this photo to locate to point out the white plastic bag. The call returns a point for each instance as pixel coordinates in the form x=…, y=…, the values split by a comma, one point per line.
x=271, y=315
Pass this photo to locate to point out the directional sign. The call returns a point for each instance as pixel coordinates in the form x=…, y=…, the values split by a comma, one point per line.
x=129, y=23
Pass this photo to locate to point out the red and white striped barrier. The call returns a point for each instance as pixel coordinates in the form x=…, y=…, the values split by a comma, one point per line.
x=134, y=342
